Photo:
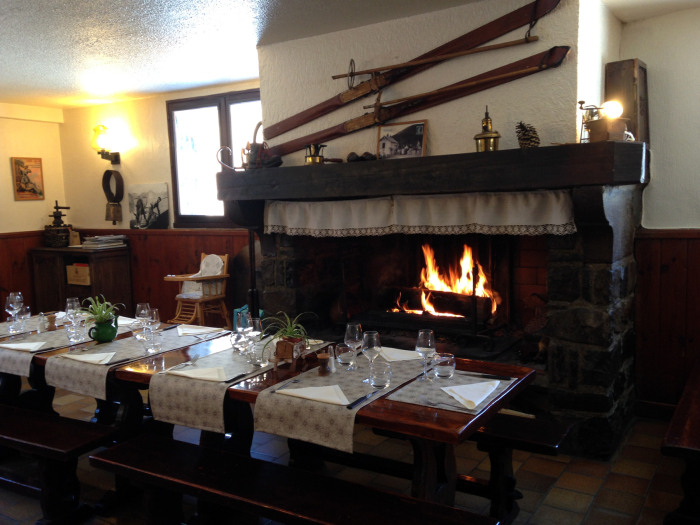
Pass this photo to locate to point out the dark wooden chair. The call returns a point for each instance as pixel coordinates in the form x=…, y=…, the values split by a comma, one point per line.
x=682, y=441
x=169, y=468
x=57, y=442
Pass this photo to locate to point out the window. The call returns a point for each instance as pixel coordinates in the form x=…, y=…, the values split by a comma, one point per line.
x=197, y=128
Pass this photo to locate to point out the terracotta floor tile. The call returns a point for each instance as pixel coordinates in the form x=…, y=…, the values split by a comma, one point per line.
x=561, y=458
x=628, y=484
x=531, y=500
x=619, y=501
x=673, y=466
x=521, y=455
x=667, y=483
x=469, y=450
x=596, y=469
x=634, y=468
x=569, y=500
x=605, y=517
x=368, y=437
x=579, y=483
x=652, y=428
x=70, y=398
x=651, y=517
x=644, y=440
x=550, y=516
x=533, y=481
x=664, y=501
x=647, y=455
x=466, y=465
x=546, y=467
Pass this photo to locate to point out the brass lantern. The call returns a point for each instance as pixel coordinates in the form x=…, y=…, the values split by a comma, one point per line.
x=487, y=140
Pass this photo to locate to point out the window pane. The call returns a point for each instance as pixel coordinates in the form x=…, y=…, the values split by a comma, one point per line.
x=244, y=117
x=197, y=139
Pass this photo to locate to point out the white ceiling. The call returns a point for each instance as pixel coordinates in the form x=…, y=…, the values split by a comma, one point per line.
x=65, y=53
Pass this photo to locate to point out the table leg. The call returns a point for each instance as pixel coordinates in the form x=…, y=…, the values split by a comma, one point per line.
x=434, y=471
x=502, y=483
x=40, y=397
x=60, y=493
x=239, y=424
x=10, y=387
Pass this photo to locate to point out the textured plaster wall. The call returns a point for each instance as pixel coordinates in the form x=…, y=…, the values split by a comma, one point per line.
x=24, y=136
x=668, y=45
x=141, y=131
x=296, y=75
x=599, y=36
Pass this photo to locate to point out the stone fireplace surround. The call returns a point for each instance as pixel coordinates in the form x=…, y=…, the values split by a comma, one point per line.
x=590, y=278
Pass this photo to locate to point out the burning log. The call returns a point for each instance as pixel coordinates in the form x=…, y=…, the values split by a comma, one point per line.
x=444, y=302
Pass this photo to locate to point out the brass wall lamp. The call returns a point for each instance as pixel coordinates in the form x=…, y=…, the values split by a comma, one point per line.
x=100, y=143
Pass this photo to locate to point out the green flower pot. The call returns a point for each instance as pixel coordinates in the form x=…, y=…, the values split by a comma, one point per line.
x=104, y=332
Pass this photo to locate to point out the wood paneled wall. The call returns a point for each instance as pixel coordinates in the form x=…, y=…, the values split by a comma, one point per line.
x=667, y=319
x=154, y=254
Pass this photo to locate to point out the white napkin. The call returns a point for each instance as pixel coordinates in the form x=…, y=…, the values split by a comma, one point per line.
x=60, y=315
x=188, y=329
x=471, y=395
x=95, y=359
x=25, y=347
x=206, y=374
x=315, y=341
x=325, y=394
x=394, y=354
x=121, y=320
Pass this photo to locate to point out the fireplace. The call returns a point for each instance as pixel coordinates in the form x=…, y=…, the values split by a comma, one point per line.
x=576, y=290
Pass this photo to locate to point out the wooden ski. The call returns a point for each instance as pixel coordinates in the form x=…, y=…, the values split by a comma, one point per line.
x=496, y=77
x=528, y=14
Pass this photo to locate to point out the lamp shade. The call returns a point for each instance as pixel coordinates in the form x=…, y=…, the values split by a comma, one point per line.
x=100, y=140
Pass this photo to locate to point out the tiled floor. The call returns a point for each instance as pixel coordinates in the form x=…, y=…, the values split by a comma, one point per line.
x=638, y=486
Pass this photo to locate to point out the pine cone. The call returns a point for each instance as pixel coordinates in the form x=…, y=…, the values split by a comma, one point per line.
x=527, y=135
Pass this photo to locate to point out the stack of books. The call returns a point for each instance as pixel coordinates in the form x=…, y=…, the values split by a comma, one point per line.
x=104, y=241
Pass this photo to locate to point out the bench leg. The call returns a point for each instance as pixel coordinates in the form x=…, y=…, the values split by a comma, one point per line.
x=163, y=507
x=502, y=483
x=688, y=513
x=434, y=471
x=60, y=493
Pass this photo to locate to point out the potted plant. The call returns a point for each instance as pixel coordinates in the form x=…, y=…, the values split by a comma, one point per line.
x=102, y=313
x=287, y=331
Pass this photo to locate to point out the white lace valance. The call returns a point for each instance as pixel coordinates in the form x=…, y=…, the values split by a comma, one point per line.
x=517, y=213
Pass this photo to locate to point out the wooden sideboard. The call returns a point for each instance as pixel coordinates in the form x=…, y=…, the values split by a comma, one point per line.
x=110, y=275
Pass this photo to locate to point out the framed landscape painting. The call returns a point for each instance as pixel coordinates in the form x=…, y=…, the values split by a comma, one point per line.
x=27, y=179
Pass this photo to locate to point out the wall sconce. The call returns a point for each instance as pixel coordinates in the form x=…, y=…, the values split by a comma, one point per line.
x=100, y=143
x=604, y=122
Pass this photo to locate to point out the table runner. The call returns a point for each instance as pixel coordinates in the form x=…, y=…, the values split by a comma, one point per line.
x=197, y=403
x=29, y=326
x=432, y=391
x=511, y=213
x=322, y=423
x=91, y=380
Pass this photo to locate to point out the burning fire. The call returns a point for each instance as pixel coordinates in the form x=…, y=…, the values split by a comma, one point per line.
x=455, y=282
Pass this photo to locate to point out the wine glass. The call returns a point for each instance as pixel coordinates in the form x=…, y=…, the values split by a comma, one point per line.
x=254, y=332
x=72, y=307
x=143, y=312
x=153, y=319
x=244, y=325
x=371, y=347
x=425, y=346
x=353, y=338
x=10, y=307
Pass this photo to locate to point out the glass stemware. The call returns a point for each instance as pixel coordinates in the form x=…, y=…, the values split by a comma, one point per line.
x=143, y=312
x=153, y=319
x=72, y=307
x=243, y=326
x=353, y=338
x=371, y=347
x=425, y=346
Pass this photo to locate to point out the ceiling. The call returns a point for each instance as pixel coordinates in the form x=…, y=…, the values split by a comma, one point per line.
x=63, y=53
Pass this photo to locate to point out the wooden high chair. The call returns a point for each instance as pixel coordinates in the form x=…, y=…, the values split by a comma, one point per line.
x=202, y=292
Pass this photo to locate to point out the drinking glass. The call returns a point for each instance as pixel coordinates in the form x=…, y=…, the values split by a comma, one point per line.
x=255, y=331
x=380, y=375
x=345, y=355
x=72, y=307
x=353, y=338
x=370, y=348
x=75, y=330
x=154, y=342
x=23, y=314
x=241, y=327
x=13, y=303
x=143, y=312
x=444, y=366
x=9, y=307
x=153, y=319
x=425, y=346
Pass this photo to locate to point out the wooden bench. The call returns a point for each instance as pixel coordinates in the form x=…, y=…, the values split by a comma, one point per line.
x=168, y=468
x=682, y=441
x=57, y=443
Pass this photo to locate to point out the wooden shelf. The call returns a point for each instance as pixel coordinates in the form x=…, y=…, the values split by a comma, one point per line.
x=554, y=167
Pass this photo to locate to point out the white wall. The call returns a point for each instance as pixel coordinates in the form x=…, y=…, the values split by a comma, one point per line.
x=599, y=36
x=141, y=130
x=28, y=131
x=296, y=75
x=669, y=46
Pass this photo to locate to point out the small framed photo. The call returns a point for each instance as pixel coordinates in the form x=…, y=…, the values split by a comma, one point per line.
x=27, y=179
x=402, y=140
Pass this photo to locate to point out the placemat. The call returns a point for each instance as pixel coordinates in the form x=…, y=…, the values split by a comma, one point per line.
x=198, y=403
x=90, y=379
x=433, y=393
x=322, y=423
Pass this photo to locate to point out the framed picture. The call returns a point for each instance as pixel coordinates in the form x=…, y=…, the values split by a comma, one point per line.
x=27, y=179
x=148, y=206
x=402, y=140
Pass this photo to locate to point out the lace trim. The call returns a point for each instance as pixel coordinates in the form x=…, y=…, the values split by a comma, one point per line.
x=512, y=229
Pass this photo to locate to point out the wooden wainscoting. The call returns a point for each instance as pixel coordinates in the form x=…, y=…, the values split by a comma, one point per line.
x=667, y=319
x=16, y=266
x=157, y=253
